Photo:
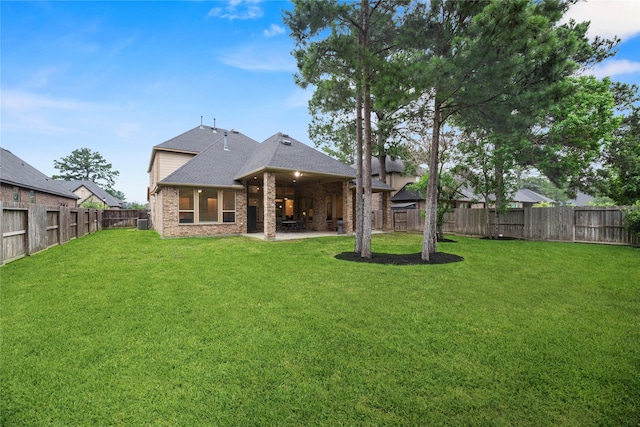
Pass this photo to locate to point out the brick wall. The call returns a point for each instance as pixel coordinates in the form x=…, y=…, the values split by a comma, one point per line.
x=6, y=195
x=168, y=225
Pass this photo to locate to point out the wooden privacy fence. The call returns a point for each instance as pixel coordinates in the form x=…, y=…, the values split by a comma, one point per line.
x=123, y=218
x=28, y=228
x=565, y=224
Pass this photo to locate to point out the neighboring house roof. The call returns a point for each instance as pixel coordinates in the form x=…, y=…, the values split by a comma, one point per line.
x=581, y=199
x=407, y=195
x=523, y=195
x=15, y=171
x=95, y=189
x=220, y=163
x=529, y=196
x=391, y=166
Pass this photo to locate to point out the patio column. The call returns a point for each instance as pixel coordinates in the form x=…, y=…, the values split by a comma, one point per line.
x=269, y=185
x=347, y=208
x=386, y=211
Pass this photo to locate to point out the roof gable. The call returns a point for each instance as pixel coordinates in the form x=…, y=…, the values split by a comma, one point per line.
x=282, y=152
x=407, y=195
x=95, y=189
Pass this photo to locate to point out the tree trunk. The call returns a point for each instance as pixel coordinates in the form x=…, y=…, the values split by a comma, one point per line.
x=366, y=101
x=429, y=238
x=359, y=174
x=499, y=200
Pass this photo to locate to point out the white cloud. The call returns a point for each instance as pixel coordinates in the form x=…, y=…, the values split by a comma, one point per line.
x=608, y=17
x=615, y=67
x=238, y=9
x=273, y=30
x=43, y=113
x=258, y=58
x=18, y=101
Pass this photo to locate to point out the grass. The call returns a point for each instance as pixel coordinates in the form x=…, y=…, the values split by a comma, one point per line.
x=123, y=328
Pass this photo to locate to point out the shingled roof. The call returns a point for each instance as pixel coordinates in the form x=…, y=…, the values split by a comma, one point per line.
x=282, y=152
x=216, y=166
x=194, y=141
x=99, y=192
x=15, y=171
x=220, y=164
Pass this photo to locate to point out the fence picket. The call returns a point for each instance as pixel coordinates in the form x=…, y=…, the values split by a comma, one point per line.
x=565, y=223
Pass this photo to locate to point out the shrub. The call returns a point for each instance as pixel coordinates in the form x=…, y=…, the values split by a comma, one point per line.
x=632, y=218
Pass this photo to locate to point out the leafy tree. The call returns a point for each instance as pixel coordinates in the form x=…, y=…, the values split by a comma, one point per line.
x=84, y=164
x=339, y=46
x=448, y=193
x=117, y=194
x=620, y=177
x=632, y=218
x=542, y=185
x=92, y=204
x=573, y=133
x=493, y=65
x=476, y=54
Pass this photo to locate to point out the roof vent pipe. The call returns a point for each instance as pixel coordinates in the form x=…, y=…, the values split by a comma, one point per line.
x=226, y=147
x=201, y=127
x=214, y=126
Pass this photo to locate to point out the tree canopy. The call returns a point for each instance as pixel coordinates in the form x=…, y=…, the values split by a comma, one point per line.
x=86, y=165
x=503, y=72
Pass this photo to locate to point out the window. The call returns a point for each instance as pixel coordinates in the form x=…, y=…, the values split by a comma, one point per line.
x=16, y=194
x=32, y=196
x=185, y=206
x=206, y=206
x=228, y=206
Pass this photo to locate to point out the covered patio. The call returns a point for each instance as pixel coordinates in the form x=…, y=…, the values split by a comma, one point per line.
x=290, y=202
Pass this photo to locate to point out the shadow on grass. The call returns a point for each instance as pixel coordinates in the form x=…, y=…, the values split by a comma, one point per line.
x=401, y=259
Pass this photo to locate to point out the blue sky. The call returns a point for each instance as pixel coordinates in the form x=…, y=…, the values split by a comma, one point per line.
x=120, y=77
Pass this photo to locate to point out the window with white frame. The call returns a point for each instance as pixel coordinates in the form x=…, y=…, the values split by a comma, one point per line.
x=206, y=206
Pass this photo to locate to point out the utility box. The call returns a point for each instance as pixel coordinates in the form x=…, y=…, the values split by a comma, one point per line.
x=143, y=224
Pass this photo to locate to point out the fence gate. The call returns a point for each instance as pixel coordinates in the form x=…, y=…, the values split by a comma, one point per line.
x=399, y=220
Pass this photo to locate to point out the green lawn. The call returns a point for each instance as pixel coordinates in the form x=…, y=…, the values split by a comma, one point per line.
x=123, y=328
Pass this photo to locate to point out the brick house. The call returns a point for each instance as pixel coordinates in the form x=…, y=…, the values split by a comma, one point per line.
x=22, y=183
x=89, y=191
x=211, y=181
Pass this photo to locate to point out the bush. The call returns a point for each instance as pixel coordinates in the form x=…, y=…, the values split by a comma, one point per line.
x=632, y=218
x=542, y=205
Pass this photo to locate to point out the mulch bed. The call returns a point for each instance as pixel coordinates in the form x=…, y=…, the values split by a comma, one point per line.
x=401, y=259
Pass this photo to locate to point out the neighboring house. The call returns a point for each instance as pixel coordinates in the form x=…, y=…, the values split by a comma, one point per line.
x=582, y=199
x=395, y=178
x=406, y=198
x=409, y=199
x=211, y=181
x=523, y=198
x=22, y=183
x=395, y=174
x=89, y=191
